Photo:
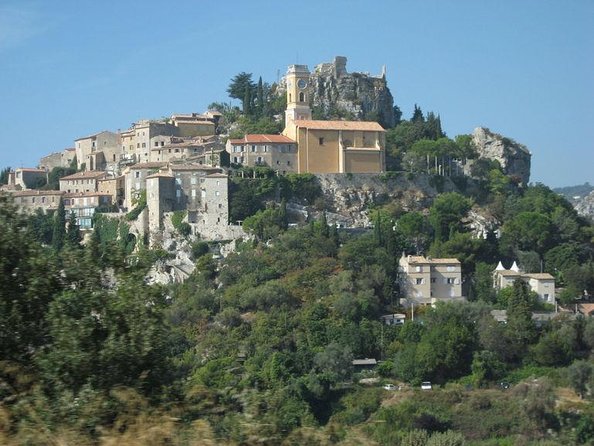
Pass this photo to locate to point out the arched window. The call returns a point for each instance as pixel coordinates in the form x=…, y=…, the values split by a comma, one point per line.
x=301, y=97
x=290, y=98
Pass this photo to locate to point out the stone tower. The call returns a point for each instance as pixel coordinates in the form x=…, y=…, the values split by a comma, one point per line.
x=297, y=96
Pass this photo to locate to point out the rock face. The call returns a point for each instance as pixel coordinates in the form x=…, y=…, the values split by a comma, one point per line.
x=358, y=96
x=337, y=94
x=585, y=206
x=513, y=157
x=348, y=198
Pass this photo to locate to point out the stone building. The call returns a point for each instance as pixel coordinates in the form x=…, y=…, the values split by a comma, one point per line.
x=86, y=181
x=95, y=151
x=543, y=284
x=329, y=146
x=30, y=200
x=114, y=187
x=203, y=150
x=136, y=180
x=426, y=281
x=84, y=204
x=57, y=159
x=193, y=124
x=199, y=190
x=275, y=151
x=26, y=178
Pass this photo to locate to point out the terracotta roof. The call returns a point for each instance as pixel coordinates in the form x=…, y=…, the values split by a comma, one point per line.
x=217, y=175
x=86, y=174
x=340, y=125
x=86, y=194
x=35, y=192
x=151, y=165
x=160, y=175
x=93, y=135
x=540, y=276
x=421, y=259
x=260, y=138
x=182, y=167
x=586, y=308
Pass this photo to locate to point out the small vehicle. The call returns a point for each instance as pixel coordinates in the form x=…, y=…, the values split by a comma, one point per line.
x=504, y=385
x=389, y=387
x=426, y=385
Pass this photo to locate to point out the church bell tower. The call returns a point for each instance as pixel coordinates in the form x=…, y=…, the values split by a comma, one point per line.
x=297, y=97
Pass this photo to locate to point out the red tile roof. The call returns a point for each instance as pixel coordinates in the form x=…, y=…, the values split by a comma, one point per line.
x=340, y=125
x=84, y=175
x=255, y=139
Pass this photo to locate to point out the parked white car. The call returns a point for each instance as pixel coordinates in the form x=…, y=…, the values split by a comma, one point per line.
x=426, y=385
x=390, y=387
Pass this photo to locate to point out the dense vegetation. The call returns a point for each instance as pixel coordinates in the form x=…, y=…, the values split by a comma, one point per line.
x=258, y=347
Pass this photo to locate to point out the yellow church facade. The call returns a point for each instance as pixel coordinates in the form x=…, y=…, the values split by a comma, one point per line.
x=329, y=146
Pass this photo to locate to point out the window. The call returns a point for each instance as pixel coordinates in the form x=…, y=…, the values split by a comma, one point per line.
x=162, y=143
x=143, y=145
x=288, y=163
x=419, y=281
x=156, y=143
x=138, y=145
x=418, y=269
x=193, y=193
x=253, y=148
x=193, y=180
x=433, y=280
x=137, y=174
x=546, y=297
x=450, y=268
x=220, y=206
x=321, y=141
x=301, y=97
x=450, y=280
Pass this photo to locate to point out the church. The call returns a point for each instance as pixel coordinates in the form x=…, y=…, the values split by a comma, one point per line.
x=321, y=146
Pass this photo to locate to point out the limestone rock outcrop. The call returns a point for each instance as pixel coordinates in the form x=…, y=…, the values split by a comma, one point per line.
x=585, y=206
x=513, y=157
x=360, y=96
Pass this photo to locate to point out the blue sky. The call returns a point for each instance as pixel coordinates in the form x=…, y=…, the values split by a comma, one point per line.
x=524, y=69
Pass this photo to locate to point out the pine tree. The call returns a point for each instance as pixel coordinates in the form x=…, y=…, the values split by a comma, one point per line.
x=417, y=115
x=59, y=227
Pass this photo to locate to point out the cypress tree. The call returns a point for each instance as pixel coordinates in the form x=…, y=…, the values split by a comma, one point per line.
x=59, y=227
x=260, y=97
x=73, y=232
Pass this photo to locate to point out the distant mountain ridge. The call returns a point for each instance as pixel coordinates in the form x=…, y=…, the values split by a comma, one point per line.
x=581, y=197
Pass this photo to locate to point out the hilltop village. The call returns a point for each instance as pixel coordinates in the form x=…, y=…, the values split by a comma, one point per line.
x=184, y=163
x=310, y=268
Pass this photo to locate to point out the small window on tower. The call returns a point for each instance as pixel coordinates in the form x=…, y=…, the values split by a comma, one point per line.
x=321, y=141
x=301, y=97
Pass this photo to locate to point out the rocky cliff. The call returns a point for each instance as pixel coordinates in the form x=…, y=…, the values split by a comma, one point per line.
x=337, y=94
x=585, y=205
x=357, y=95
x=513, y=157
